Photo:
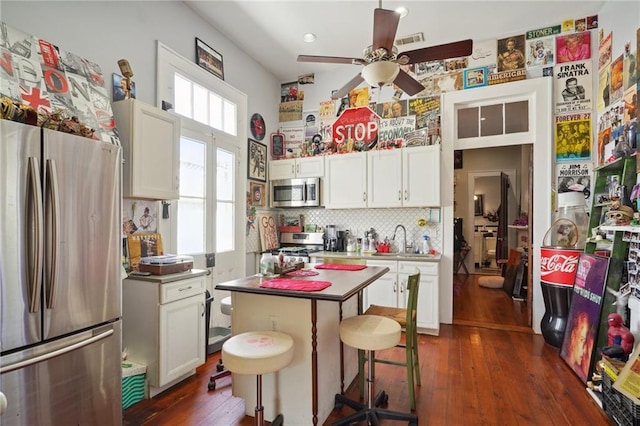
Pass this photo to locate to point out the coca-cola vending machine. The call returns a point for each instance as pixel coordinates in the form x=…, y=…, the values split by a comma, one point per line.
x=558, y=266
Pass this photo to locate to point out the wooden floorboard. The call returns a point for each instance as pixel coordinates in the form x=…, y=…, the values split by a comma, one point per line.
x=486, y=369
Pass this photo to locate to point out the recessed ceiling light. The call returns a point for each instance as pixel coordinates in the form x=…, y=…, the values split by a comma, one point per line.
x=309, y=37
x=403, y=11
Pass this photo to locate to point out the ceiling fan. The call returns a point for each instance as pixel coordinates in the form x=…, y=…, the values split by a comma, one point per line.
x=382, y=61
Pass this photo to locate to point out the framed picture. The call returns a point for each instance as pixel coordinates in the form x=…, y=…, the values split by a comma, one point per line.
x=277, y=146
x=257, y=167
x=209, y=59
x=258, y=196
x=478, y=205
x=475, y=77
x=120, y=88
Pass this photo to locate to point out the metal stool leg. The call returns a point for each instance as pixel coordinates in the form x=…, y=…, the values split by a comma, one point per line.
x=259, y=408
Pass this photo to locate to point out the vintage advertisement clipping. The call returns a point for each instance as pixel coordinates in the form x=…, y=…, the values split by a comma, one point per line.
x=392, y=131
x=426, y=110
x=573, y=87
x=573, y=136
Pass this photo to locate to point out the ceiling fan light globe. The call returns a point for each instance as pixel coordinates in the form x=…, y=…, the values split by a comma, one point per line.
x=380, y=73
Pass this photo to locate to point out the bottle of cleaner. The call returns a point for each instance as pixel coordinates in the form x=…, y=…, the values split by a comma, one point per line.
x=426, y=244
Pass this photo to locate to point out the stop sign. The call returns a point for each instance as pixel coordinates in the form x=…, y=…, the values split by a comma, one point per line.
x=359, y=124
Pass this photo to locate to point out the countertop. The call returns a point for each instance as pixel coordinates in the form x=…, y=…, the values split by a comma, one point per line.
x=344, y=284
x=385, y=256
x=163, y=279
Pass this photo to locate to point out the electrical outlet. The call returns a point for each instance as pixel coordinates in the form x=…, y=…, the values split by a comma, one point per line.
x=273, y=322
x=211, y=259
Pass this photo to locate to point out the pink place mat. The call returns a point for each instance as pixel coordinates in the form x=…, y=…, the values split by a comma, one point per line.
x=302, y=273
x=341, y=266
x=297, y=285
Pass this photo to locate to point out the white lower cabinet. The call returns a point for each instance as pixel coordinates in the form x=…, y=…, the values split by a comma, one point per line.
x=391, y=290
x=163, y=326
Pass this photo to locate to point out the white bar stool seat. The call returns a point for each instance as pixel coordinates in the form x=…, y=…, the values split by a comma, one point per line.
x=370, y=333
x=258, y=352
x=225, y=305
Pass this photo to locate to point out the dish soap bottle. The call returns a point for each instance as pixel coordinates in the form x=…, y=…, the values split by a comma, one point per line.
x=426, y=244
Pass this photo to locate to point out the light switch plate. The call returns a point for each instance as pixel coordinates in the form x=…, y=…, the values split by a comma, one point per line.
x=211, y=259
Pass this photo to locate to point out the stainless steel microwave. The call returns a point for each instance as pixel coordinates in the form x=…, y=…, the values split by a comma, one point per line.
x=295, y=192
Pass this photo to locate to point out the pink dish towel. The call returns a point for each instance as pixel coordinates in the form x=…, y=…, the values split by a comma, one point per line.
x=297, y=285
x=302, y=273
x=341, y=266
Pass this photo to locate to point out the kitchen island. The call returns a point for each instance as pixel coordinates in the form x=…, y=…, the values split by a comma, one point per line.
x=304, y=391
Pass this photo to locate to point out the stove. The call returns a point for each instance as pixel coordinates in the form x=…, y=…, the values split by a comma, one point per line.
x=296, y=246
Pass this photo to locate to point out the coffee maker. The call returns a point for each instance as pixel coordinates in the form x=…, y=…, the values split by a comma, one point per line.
x=334, y=240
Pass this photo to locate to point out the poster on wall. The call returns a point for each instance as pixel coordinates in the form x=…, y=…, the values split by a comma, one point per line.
x=47, y=78
x=573, y=87
x=575, y=177
x=573, y=136
x=541, y=52
x=573, y=47
x=294, y=137
x=426, y=111
x=617, y=88
x=290, y=111
x=581, y=332
x=392, y=130
x=604, y=52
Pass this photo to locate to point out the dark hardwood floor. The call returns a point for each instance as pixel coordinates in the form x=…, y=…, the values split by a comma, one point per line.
x=486, y=369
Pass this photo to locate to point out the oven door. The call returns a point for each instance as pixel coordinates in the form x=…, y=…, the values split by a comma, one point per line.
x=295, y=192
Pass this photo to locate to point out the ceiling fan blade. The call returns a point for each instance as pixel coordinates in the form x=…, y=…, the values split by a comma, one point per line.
x=442, y=51
x=408, y=84
x=385, y=25
x=344, y=90
x=330, y=59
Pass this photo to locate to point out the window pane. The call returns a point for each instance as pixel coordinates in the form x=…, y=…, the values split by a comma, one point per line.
x=191, y=229
x=182, y=96
x=192, y=168
x=224, y=227
x=491, y=120
x=230, y=125
x=225, y=174
x=516, y=117
x=200, y=109
x=215, y=111
x=468, y=123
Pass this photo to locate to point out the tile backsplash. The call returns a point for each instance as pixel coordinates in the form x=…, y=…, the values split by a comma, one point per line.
x=358, y=221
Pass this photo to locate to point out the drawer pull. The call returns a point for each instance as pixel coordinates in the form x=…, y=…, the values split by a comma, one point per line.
x=185, y=288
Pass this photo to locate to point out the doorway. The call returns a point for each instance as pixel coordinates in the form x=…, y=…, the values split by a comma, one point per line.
x=529, y=103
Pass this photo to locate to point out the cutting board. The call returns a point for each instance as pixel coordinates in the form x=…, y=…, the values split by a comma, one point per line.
x=268, y=232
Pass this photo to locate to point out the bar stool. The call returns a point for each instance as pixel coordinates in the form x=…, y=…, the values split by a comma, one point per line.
x=225, y=308
x=258, y=352
x=370, y=333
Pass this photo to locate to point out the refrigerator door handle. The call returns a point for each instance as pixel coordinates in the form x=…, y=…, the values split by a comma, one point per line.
x=35, y=360
x=53, y=204
x=35, y=233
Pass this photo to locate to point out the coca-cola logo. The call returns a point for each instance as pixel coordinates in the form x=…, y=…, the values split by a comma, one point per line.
x=558, y=263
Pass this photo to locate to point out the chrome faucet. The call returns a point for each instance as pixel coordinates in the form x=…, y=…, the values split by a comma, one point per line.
x=404, y=246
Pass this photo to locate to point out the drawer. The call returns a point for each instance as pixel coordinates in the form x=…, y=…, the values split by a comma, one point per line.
x=391, y=264
x=426, y=268
x=180, y=289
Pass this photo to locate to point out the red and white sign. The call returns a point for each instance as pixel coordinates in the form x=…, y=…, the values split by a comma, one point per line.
x=358, y=124
x=558, y=266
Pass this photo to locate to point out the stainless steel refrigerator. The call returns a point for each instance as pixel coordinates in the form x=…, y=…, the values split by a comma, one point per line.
x=60, y=284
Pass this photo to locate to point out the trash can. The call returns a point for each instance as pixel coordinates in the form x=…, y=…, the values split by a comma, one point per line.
x=208, y=298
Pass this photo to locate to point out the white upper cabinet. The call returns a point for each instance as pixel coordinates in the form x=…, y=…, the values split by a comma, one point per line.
x=345, y=183
x=421, y=176
x=384, y=178
x=296, y=168
x=151, y=149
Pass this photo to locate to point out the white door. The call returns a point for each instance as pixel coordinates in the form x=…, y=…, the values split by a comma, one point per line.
x=535, y=97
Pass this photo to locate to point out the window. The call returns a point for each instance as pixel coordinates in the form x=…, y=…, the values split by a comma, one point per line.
x=225, y=203
x=202, y=105
x=193, y=197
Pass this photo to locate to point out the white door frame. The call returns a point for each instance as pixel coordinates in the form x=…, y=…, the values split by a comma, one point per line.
x=538, y=92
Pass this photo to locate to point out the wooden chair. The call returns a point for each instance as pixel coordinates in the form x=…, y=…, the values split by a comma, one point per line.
x=407, y=320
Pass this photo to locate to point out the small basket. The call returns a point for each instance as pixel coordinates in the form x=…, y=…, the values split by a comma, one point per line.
x=619, y=407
